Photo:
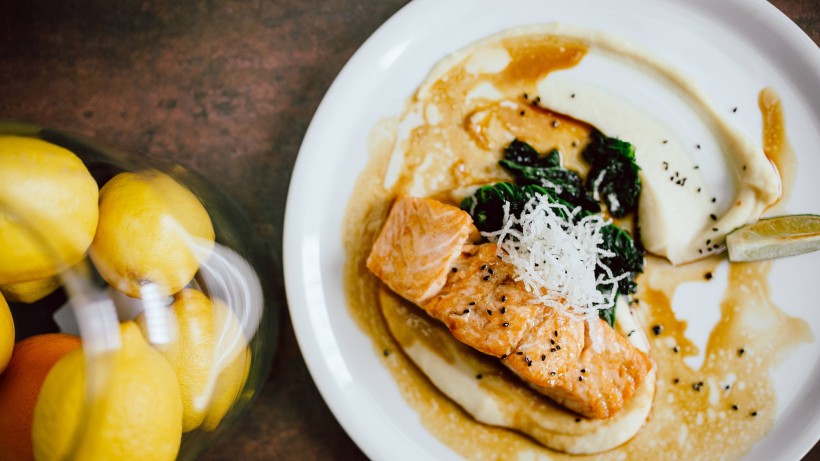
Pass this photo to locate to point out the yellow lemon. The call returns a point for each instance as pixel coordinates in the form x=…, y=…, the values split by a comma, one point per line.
x=191, y=353
x=149, y=230
x=136, y=415
x=776, y=237
x=6, y=334
x=233, y=360
x=48, y=209
x=227, y=390
x=208, y=340
x=29, y=292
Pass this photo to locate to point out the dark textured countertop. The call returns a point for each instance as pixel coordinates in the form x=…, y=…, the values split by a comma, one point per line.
x=226, y=88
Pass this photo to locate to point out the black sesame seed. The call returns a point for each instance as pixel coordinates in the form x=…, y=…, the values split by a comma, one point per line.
x=697, y=146
x=583, y=370
x=538, y=99
x=577, y=420
x=572, y=95
x=697, y=167
x=552, y=373
x=714, y=199
x=543, y=357
x=740, y=352
x=455, y=270
x=676, y=380
x=734, y=109
x=503, y=298
x=526, y=96
x=700, y=251
x=676, y=349
x=657, y=329
x=472, y=303
x=386, y=352
x=552, y=349
x=727, y=387
x=555, y=333
x=558, y=348
x=505, y=324
x=483, y=266
x=503, y=310
x=707, y=276
x=714, y=229
x=744, y=167
x=580, y=378
x=552, y=341
x=478, y=376
x=519, y=353
x=490, y=270
x=489, y=312
x=486, y=277
x=714, y=218
x=521, y=113
x=466, y=311
x=754, y=413
x=665, y=165
x=708, y=241
x=698, y=190
x=503, y=356
x=735, y=407
x=574, y=144
x=665, y=141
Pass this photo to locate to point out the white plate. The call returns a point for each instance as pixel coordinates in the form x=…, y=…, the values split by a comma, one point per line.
x=732, y=48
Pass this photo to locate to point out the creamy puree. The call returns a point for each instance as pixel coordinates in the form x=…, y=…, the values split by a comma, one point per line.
x=450, y=139
x=486, y=390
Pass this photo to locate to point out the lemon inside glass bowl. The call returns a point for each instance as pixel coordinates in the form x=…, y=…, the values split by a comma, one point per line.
x=169, y=277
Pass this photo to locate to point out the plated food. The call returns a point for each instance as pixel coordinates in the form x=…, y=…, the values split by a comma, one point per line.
x=599, y=368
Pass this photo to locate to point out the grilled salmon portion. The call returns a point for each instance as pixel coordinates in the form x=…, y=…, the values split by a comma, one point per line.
x=475, y=293
x=418, y=245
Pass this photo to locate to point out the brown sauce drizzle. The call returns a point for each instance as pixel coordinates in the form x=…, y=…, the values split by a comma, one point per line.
x=775, y=143
x=695, y=415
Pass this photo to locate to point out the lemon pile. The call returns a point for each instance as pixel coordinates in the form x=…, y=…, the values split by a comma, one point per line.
x=143, y=231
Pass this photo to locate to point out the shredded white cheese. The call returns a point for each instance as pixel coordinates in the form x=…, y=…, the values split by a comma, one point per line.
x=556, y=256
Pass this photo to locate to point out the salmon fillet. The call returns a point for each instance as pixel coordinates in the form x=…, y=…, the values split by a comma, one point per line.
x=472, y=291
x=417, y=246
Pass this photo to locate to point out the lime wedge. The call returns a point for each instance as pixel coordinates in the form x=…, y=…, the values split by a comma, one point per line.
x=774, y=238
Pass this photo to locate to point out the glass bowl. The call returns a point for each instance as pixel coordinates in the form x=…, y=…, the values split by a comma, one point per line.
x=233, y=270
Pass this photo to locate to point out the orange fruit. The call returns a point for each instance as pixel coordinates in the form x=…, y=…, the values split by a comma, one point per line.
x=31, y=360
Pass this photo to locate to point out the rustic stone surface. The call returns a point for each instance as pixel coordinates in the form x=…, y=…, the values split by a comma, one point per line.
x=226, y=88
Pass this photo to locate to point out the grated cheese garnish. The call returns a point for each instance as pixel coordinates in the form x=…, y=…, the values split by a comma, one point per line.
x=556, y=256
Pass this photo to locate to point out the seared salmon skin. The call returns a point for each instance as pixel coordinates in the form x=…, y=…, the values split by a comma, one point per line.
x=424, y=253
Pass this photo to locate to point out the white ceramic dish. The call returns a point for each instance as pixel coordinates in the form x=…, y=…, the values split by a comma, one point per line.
x=732, y=48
